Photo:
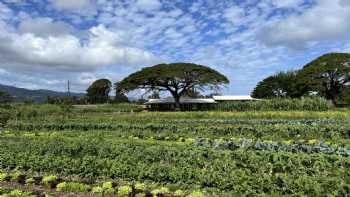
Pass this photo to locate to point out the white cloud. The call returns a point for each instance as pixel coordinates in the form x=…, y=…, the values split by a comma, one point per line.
x=148, y=5
x=67, y=53
x=3, y=71
x=287, y=3
x=5, y=12
x=77, y=10
x=70, y=4
x=326, y=21
x=235, y=15
x=44, y=27
x=86, y=79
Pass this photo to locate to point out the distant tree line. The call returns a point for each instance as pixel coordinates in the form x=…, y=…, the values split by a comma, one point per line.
x=5, y=97
x=327, y=76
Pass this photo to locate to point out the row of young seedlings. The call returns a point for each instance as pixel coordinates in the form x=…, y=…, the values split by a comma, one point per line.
x=133, y=189
x=314, y=146
x=310, y=146
x=18, y=193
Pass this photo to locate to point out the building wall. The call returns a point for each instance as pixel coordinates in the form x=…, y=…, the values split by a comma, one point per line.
x=184, y=107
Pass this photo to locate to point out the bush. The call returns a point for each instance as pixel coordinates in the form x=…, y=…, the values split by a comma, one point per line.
x=124, y=190
x=162, y=190
x=97, y=189
x=303, y=104
x=48, y=179
x=72, y=187
x=107, y=187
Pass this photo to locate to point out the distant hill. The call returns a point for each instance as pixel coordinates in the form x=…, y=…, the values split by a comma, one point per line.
x=38, y=96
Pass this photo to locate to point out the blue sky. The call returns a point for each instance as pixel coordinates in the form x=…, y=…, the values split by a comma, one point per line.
x=44, y=43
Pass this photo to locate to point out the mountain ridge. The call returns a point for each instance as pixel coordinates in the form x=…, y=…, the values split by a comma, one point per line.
x=38, y=96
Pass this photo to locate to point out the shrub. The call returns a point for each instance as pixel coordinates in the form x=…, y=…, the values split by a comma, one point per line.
x=73, y=187
x=124, y=190
x=49, y=179
x=18, y=193
x=162, y=190
x=108, y=187
x=140, y=186
x=97, y=189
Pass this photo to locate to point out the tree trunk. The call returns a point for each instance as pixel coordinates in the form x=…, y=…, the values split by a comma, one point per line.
x=334, y=91
x=177, y=103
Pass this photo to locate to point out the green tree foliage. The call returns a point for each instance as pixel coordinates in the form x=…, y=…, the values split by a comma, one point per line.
x=176, y=78
x=5, y=97
x=344, y=97
x=99, y=90
x=329, y=75
x=280, y=85
x=193, y=93
x=121, y=98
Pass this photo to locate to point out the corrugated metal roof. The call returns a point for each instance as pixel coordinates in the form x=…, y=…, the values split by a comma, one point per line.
x=234, y=98
x=182, y=100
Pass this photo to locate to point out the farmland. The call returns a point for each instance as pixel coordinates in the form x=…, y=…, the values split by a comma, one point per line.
x=109, y=151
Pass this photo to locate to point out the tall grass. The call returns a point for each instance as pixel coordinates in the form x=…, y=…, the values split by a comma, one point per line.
x=304, y=104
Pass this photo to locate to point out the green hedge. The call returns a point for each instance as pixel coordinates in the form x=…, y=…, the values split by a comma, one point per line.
x=304, y=104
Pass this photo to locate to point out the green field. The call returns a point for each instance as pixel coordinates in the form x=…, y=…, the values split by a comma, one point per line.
x=111, y=152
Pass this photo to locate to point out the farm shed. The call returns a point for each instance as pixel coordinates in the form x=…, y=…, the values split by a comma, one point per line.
x=234, y=98
x=188, y=104
x=192, y=104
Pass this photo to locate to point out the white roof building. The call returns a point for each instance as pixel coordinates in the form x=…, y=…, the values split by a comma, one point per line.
x=213, y=100
x=166, y=104
x=234, y=98
x=182, y=100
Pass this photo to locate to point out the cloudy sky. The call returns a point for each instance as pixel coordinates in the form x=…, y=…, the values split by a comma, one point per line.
x=44, y=43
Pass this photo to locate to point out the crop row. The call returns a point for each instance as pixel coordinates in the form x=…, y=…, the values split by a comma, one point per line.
x=233, y=143
x=272, y=146
x=17, y=193
x=242, y=172
x=106, y=188
x=330, y=131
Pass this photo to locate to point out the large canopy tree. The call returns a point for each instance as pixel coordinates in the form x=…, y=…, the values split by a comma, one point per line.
x=282, y=84
x=98, y=92
x=329, y=75
x=176, y=78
